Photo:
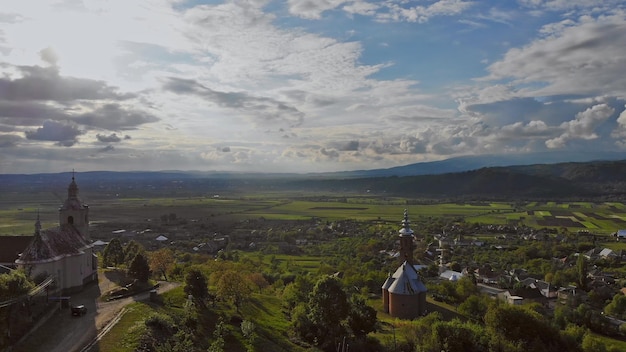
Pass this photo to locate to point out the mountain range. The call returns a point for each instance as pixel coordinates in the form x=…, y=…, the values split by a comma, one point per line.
x=599, y=176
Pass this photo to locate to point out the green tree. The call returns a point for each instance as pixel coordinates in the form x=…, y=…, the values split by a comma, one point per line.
x=139, y=268
x=465, y=288
x=14, y=284
x=617, y=307
x=131, y=249
x=516, y=324
x=455, y=336
x=328, y=307
x=475, y=307
x=196, y=285
x=113, y=254
x=361, y=318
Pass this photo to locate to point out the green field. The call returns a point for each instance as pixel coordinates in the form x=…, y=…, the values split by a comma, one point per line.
x=18, y=217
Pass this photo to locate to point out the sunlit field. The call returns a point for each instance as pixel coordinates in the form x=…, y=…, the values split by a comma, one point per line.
x=17, y=216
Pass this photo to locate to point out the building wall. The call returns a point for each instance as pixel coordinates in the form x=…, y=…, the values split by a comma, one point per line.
x=71, y=272
x=385, y=300
x=406, y=306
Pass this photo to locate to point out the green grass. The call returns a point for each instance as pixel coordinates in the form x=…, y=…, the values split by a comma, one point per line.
x=124, y=336
x=611, y=342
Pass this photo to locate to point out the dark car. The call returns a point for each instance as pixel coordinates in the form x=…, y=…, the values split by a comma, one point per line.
x=79, y=310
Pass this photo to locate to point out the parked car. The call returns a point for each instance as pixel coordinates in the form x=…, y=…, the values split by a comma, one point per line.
x=79, y=310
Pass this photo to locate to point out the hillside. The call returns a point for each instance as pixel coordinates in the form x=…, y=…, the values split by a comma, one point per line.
x=597, y=180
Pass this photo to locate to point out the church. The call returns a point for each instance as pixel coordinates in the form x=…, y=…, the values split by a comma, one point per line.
x=64, y=252
x=404, y=293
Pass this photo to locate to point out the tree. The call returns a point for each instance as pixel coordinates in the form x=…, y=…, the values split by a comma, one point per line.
x=234, y=287
x=581, y=271
x=131, y=249
x=328, y=307
x=113, y=254
x=475, y=307
x=362, y=318
x=259, y=280
x=465, y=288
x=139, y=268
x=617, y=307
x=14, y=284
x=456, y=336
x=162, y=261
x=515, y=324
x=196, y=285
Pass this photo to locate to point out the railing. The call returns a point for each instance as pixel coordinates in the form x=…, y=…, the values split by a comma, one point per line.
x=36, y=290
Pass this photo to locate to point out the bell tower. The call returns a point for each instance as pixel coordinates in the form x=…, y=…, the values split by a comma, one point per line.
x=406, y=239
x=74, y=212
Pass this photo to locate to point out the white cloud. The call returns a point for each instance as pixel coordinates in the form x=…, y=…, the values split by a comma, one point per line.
x=567, y=60
x=619, y=133
x=583, y=126
x=313, y=9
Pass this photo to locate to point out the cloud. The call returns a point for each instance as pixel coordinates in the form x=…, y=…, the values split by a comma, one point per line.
x=583, y=126
x=312, y=9
x=113, y=138
x=115, y=117
x=383, y=11
x=566, y=60
x=64, y=134
x=421, y=14
x=565, y=5
x=9, y=140
x=620, y=131
x=267, y=108
x=49, y=56
x=45, y=83
x=108, y=148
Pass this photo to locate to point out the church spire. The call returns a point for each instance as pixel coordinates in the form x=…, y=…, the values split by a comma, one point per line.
x=406, y=239
x=72, y=190
x=37, y=224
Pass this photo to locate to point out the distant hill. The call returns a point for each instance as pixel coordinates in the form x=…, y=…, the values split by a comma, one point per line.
x=592, y=180
x=474, y=162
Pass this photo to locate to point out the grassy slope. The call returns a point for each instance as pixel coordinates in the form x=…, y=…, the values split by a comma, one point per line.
x=265, y=311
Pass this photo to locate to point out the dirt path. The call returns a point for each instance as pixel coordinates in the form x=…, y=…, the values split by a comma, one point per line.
x=66, y=333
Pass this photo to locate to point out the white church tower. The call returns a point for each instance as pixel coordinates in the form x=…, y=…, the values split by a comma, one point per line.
x=74, y=212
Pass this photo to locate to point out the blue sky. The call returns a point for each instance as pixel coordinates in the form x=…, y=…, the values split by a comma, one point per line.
x=303, y=85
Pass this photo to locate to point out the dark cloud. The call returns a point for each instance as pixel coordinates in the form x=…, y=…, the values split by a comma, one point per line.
x=331, y=153
x=115, y=117
x=56, y=131
x=45, y=83
x=108, y=148
x=351, y=146
x=226, y=149
x=21, y=113
x=344, y=146
x=9, y=140
x=267, y=108
x=113, y=138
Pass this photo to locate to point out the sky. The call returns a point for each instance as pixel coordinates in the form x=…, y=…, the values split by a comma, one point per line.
x=305, y=85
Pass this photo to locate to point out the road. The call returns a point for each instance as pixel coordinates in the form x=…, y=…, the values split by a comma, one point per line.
x=65, y=333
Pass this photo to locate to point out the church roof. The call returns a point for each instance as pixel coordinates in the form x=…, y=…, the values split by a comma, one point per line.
x=406, y=281
x=53, y=243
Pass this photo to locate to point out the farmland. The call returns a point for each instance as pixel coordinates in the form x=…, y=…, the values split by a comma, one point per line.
x=18, y=215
